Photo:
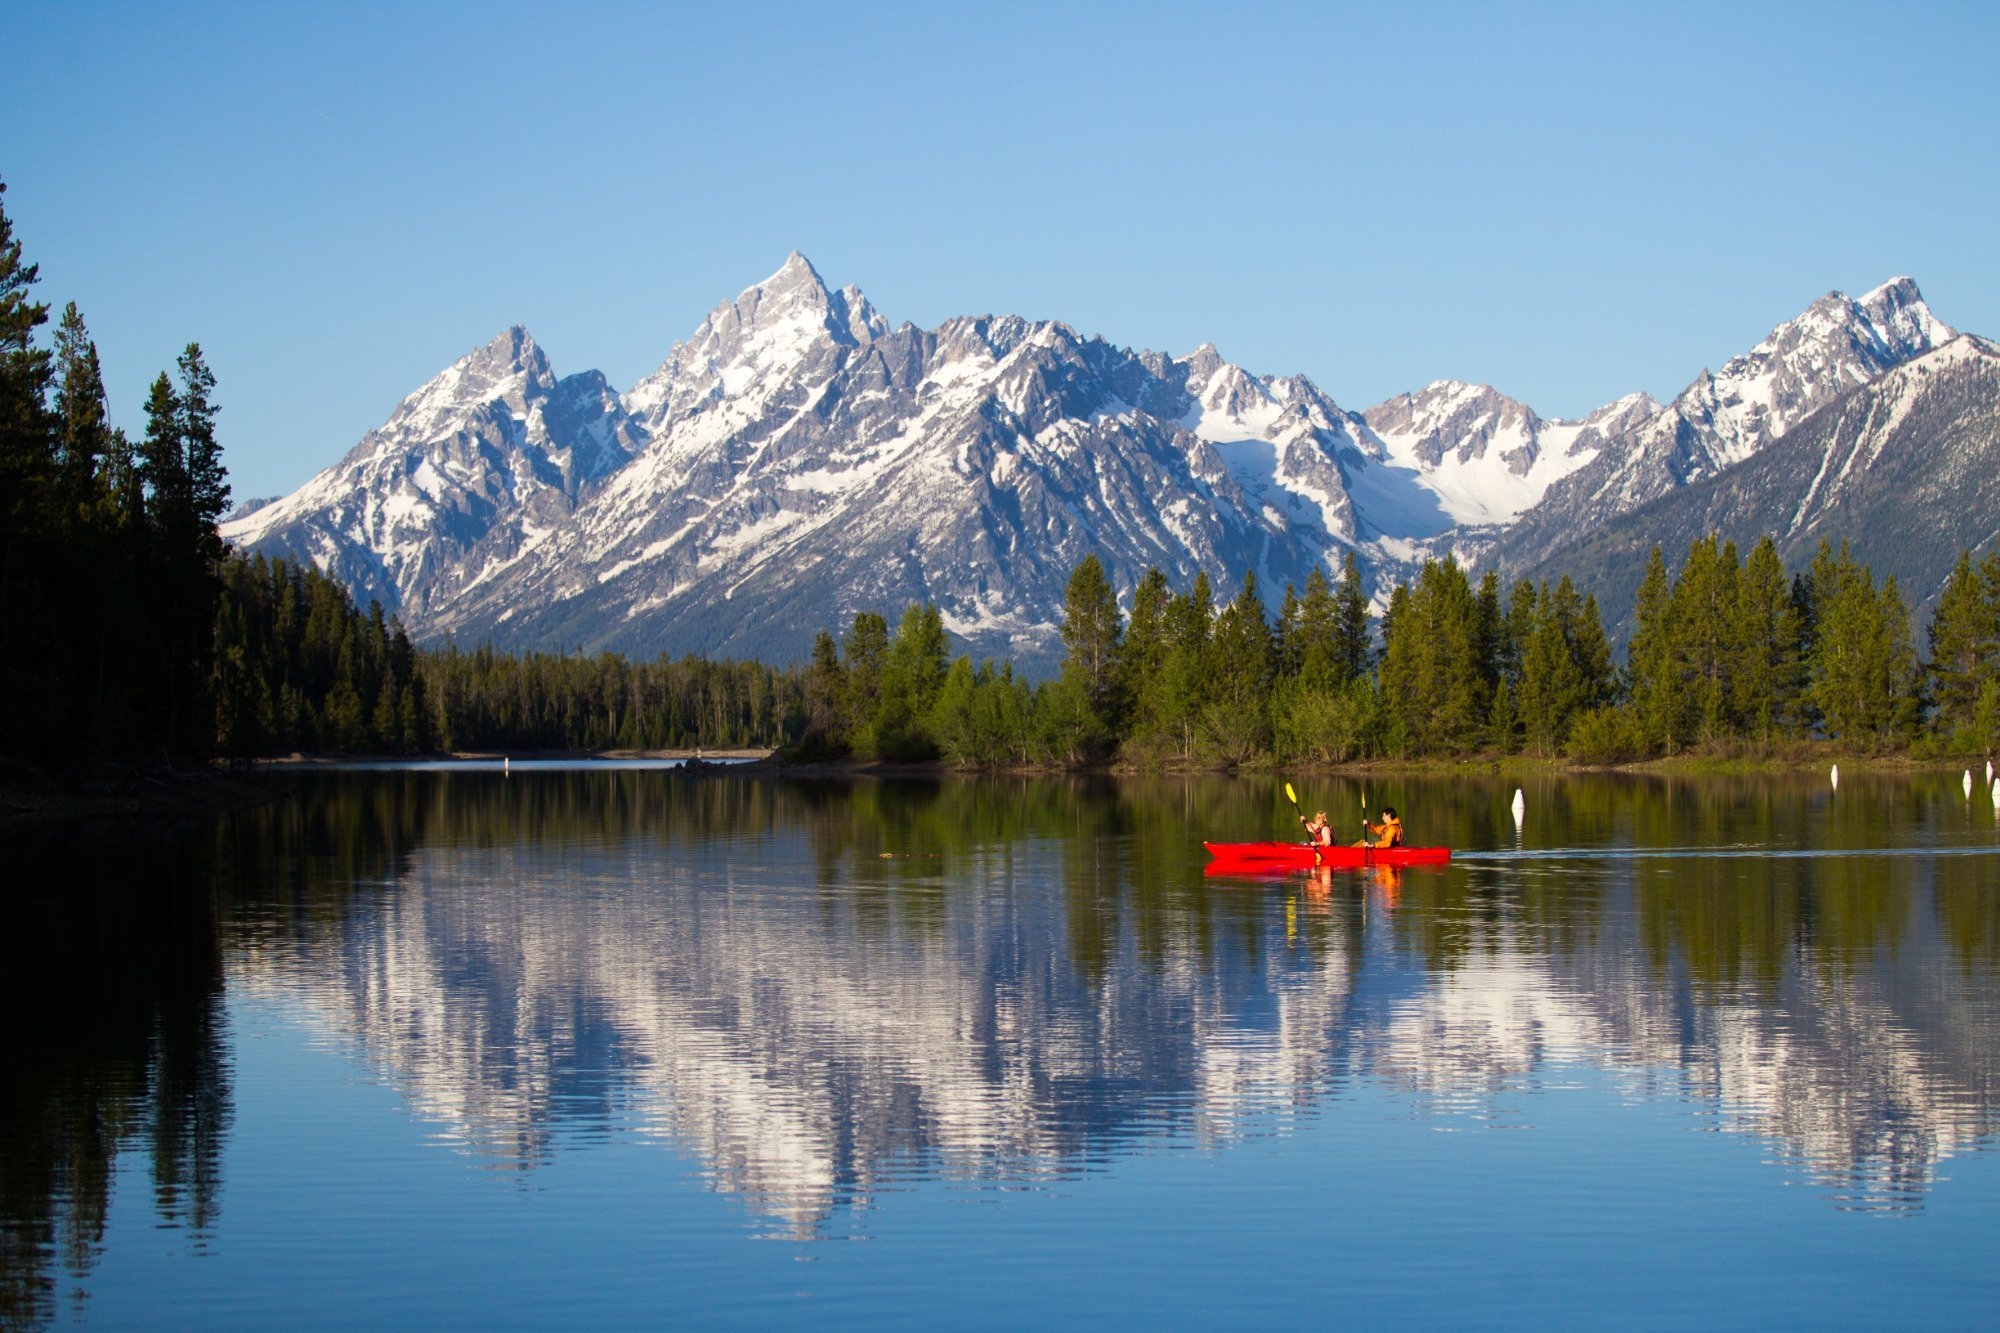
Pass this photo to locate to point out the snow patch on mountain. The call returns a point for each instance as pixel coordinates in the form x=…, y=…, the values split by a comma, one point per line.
x=1487, y=457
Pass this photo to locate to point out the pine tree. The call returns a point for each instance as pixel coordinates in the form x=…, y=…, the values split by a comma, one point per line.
x=1319, y=650
x=162, y=464
x=26, y=442
x=1705, y=621
x=1519, y=624
x=207, y=479
x=33, y=677
x=1551, y=685
x=1091, y=632
x=913, y=670
x=1492, y=630
x=825, y=684
x=83, y=424
x=1241, y=656
x=1652, y=660
x=1902, y=679
x=1143, y=654
x=1184, y=683
x=863, y=652
x=1350, y=625
x=1965, y=641
x=1864, y=678
x=1503, y=718
x=1591, y=650
x=1431, y=680
x=1565, y=666
x=1770, y=671
x=1290, y=644
x=186, y=492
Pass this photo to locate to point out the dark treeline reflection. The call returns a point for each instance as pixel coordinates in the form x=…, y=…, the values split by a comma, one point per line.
x=822, y=988
x=111, y=981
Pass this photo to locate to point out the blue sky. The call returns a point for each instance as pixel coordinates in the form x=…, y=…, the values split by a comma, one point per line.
x=1570, y=202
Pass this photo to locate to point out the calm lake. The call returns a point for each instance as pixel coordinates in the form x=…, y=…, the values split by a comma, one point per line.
x=598, y=1047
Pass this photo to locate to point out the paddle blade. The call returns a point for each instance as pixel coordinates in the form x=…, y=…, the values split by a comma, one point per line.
x=1291, y=795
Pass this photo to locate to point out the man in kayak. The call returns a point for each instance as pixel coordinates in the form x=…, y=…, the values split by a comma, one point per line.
x=1388, y=833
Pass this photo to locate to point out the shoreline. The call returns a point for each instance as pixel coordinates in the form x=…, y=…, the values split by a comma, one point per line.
x=1470, y=765
x=166, y=790
x=298, y=760
x=775, y=762
x=153, y=791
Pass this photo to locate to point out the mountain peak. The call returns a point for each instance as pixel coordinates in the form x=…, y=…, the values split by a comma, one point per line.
x=1897, y=312
x=502, y=367
x=795, y=274
x=1203, y=362
x=1899, y=290
x=770, y=328
x=513, y=346
x=1892, y=316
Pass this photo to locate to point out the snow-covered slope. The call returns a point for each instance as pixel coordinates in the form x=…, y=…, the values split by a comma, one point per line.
x=496, y=440
x=797, y=459
x=1726, y=416
x=1906, y=468
x=806, y=462
x=1487, y=457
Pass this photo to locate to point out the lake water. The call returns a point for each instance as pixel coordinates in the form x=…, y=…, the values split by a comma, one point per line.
x=595, y=1047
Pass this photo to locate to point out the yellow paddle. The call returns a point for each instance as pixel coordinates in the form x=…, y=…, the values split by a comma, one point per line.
x=1294, y=798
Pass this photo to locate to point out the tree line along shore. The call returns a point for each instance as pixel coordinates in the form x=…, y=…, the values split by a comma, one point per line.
x=1732, y=660
x=134, y=633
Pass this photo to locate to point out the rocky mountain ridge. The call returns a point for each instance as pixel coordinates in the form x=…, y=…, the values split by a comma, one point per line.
x=1905, y=468
x=798, y=459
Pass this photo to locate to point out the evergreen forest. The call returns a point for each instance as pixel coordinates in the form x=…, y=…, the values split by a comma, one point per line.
x=1731, y=656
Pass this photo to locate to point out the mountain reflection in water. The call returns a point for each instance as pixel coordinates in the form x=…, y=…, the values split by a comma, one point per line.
x=823, y=990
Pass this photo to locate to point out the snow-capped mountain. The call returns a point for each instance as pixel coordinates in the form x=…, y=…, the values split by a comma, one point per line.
x=972, y=465
x=761, y=339
x=495, y=441
x=1906, y=468
x=1488, y=457
x=1726, y=416
x=797, y=460
x=804, y=461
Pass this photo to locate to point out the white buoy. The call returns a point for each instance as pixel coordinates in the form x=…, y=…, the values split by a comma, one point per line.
x=1520, y=806
x=506, y=766
x=1836, y=777
x=1967, y=784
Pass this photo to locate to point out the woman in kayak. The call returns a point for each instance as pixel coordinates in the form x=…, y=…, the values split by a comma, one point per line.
x=1388, y=833
x=1319, y=830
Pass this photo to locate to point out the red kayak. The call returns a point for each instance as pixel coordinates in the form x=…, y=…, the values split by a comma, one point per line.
x=1299, y=856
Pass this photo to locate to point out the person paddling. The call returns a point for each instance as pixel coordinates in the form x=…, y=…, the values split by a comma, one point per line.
x=1388, y=833
x=1319, y=830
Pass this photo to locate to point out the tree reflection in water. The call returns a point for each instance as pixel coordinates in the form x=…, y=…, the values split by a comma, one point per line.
x=822, y=989
x=111, y=982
